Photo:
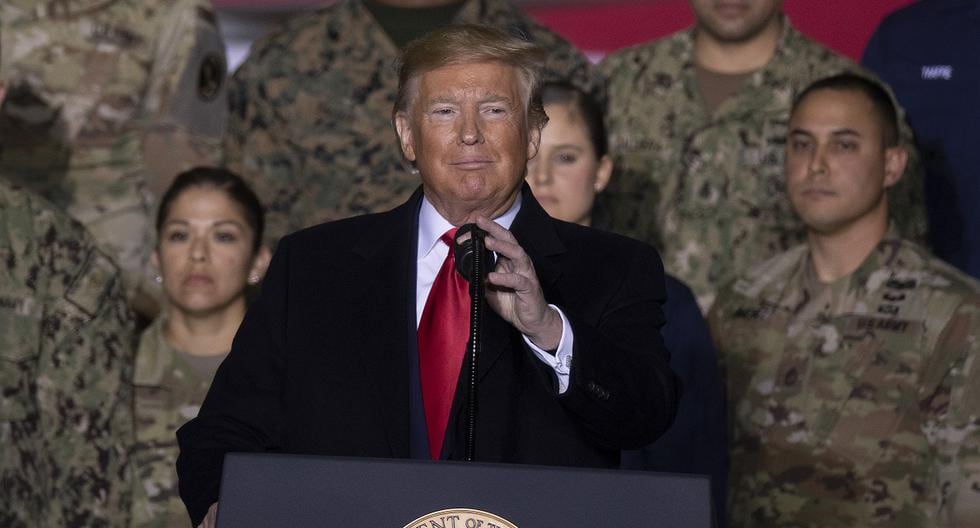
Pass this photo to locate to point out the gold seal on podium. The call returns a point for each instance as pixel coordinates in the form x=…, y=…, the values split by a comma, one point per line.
x=460, y=518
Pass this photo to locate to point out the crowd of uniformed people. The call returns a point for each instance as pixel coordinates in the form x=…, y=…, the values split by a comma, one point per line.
x=817, y=219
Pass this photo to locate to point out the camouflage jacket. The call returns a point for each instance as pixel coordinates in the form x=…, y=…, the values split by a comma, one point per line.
x=854, y=403
x=106, y=101
x=707, y=190
x=168, y=393
x=311, y=126
x=65, y=360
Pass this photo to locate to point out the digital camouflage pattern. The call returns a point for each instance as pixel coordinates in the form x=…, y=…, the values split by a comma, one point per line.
x=107, y=100
x=168, y=393
x=310, y=127
x=855, y=403
x=708, y=190
x=65, y=364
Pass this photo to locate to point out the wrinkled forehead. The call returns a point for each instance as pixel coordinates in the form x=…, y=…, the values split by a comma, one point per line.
x=487, y=80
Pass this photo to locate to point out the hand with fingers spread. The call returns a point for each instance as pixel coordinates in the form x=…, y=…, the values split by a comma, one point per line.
x=513, y=290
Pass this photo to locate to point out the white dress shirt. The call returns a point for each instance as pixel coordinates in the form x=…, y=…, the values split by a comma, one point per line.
x=431, y=254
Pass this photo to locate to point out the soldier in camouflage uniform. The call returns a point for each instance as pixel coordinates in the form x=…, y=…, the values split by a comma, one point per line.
x=209, y=230
x=853, y=361
x=65, y=364
x=702, y=181
x=311, y=126
x=169, y=391
x=107, y=99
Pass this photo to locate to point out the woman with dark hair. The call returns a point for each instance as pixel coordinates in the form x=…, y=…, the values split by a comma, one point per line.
x=571, y=167
x=209, y=251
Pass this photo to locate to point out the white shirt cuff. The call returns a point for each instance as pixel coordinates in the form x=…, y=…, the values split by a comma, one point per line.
x=561, y=361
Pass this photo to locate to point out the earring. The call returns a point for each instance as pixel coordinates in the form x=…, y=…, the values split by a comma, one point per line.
x=253, y=280
x=159, y=279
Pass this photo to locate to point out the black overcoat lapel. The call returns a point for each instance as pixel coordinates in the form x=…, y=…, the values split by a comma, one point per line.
x=389, y=267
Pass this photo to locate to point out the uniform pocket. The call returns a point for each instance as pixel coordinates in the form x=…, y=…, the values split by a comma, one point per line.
x=19, y=351
x=20, y=327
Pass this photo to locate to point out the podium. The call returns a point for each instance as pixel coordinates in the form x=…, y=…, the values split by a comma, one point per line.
x=262, y=490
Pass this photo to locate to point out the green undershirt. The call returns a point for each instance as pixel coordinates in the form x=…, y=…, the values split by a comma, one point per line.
x=405, y=24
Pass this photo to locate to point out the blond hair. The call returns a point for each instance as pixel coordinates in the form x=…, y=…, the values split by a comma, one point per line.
x=470, y=44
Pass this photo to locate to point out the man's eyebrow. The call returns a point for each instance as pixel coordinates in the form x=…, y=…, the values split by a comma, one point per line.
x=495, y=98
x=443, y=99
x=450, y=99
x=837, y=132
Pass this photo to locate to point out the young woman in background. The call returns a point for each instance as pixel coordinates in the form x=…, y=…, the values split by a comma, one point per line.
x=571, y=167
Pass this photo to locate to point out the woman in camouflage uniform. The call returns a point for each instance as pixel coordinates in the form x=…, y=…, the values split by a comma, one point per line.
x=209, y=231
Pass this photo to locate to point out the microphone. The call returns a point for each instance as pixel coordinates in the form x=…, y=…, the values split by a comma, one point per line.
x=473, y=261
x=465, y=252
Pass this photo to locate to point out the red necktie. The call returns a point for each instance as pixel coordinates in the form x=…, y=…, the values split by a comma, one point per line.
x=443, y=332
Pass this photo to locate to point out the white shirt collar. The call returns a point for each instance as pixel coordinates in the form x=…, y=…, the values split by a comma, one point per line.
x=432, y=225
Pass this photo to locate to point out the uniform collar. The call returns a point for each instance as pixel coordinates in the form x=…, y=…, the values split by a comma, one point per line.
x=358, y=14
x=787, y=39
x=472, y=10
x=154, y=355
x=881, y=256
x=773, y=74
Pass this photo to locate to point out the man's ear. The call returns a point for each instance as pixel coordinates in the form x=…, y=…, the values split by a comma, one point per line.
x=403, y=126
x=533, y=142
x=896, y=158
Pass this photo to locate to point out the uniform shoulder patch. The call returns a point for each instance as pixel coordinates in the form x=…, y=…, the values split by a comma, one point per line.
x=89, y=287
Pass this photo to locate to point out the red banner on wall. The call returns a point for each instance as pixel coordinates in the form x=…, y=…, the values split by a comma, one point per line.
x=599, y=27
